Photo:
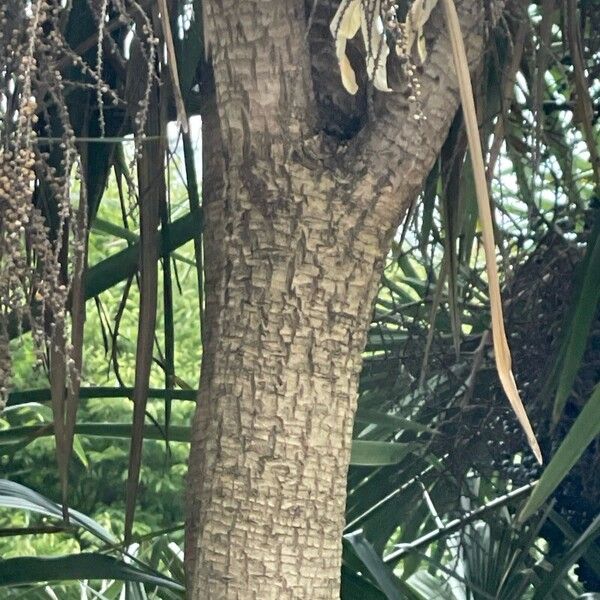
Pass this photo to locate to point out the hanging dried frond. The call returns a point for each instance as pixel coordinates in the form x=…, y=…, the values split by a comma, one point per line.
x=351, y=16
x=501, y=348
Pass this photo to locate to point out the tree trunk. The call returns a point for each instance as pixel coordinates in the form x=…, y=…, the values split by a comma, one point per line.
x=298, y=225
x=282, y=397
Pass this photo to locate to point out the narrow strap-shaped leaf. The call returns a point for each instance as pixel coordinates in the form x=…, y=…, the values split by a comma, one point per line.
x=194, y=201
x=582, y=432
x=169, y=322
x=391, y=586
x=501, y=349
x=77, y=331
x=452, y=214
x=592, y=552
x=508, y=86
x=390, y=422
x=435, y=304
x=36, y=569
x=58, y=376
x=429, y=194
x=581, y=320
x=104, y=226
x=172, y=65
x=125, y=263
x=17, y=496
x=43, y=395
x=560, y=570
x=372, y=453
x=582, y=87
x=27, y=433
x=151, y=190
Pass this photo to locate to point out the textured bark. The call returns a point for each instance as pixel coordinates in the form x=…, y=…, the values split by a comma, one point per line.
x=298, y=224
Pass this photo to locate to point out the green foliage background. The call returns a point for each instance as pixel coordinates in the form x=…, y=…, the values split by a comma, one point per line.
x=99, y=471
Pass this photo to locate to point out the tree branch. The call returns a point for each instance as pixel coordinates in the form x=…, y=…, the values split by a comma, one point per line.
x=394, y=152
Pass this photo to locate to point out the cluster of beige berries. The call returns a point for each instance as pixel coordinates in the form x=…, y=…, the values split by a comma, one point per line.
x=30, y=288
x=34, y=285
x=396, y=31
x=32, y=293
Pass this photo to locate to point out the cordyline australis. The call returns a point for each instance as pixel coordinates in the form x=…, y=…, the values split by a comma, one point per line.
x=298, y=225
x=314, y=146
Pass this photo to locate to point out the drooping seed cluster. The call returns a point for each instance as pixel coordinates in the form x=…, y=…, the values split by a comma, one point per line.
x=33, y=286
x=30, y=287
x=396, y=31
x=43, y=200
